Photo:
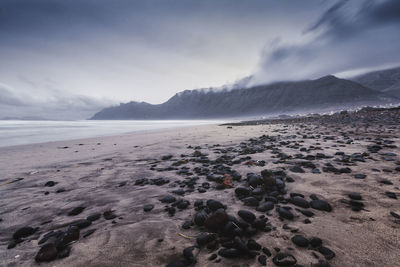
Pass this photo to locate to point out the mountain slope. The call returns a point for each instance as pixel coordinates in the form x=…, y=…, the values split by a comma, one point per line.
x=323, y=93
x=387, y=81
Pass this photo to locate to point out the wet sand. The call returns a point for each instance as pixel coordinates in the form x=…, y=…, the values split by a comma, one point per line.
x=103, y=174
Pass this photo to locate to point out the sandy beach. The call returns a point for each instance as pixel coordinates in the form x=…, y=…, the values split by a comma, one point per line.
x=115, y=178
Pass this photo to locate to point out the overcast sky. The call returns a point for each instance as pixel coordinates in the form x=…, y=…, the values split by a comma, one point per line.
x=93, y=53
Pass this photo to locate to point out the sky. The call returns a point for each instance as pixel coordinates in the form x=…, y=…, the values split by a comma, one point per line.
x=68, y=59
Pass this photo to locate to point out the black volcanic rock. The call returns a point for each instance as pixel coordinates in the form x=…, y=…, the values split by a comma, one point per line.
x=284, y=259
x=320, y=205
x=246, y=215
x=300, y=241
x=24, y=232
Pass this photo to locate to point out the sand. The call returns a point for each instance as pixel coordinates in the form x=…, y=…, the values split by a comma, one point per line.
x=92, y=170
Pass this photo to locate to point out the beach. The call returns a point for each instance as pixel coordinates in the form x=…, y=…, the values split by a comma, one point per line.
x=341, y=172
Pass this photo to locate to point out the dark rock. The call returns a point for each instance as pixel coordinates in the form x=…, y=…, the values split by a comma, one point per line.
x=187, y=224
x=322, y=263
x=268, y=178
x=76, y=211
x=253, y=245
x=315, y=242
x=254, y=180
x=212, y=257
x=240, y=245
x=183, y=204
x=198, y=203
x=83, y=223
x=12, y=244
x=316, y=171
x=50, y=184
x=300, y=241
x=216, y=220
x=46, y=253
x=328, y=254
x=394, y=214
x=265, y=206
x=267, y=252
x=257, y=191
x=259, y=223
x=297, y=169
x=179, y=192
x=109, y=215
x=250, y=231
x=168, y=199
x=345, y=170
x=72, y=234
x=285, y=213
x=356, y=203
x=171, y=211
x=360, y=176
x=200, y=218
x=148, y=207
x=166, y=157
x=242, y=192
x=307, y=213
x=228, y=252
x=250, y=201
x=391, y=195
x=386, y=182
x=214, y=205
x=64, y=253
x=188, y=254
x=355, y=196
x=205, y=238
x=284, y=259
x=289, y=180
x=246, y=215
x=300, y=202
x=63, y=239
x=321, y=205
x=24, y=232
x=94, y=217
x=88, y=233
x=262, y=259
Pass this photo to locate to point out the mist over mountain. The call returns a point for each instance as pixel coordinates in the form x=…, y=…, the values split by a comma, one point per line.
x=283, y=97
x=387, y=81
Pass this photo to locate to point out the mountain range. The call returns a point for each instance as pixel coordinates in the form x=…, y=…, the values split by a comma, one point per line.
x=386, y=81
x=323, y=94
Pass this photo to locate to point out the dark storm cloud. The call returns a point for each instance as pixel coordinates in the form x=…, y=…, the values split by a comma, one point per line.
x=349, y=35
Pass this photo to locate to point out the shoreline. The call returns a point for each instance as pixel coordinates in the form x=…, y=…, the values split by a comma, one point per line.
x=121, y=175
x=66, y=128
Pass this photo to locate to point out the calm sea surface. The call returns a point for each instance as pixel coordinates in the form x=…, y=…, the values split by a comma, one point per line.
x=29, y=132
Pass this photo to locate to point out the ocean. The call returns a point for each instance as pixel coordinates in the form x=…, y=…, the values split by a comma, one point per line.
x=29, y=132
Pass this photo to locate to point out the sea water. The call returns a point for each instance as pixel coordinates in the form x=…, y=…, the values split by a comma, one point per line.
x=20, y=132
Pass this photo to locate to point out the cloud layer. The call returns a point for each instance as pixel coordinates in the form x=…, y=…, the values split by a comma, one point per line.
x=75, y=53
x=349, y=35
x=55, y=105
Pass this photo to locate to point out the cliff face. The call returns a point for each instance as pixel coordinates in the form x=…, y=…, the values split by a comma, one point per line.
x=325, y=92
